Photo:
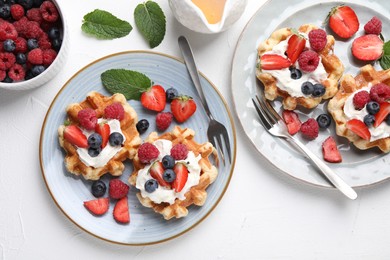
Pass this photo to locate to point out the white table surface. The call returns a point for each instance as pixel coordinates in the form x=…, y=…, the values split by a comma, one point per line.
x=263, y=215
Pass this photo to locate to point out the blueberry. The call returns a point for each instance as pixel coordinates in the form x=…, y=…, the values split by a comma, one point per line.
x=27, y=4
x=169, y=175
x=37, y=69
x=151, y=185
x=5, y=11
x=168, y=162
x=56, y=44
x=324, y=120
x=37, y=3
x=29, y=75
x=171, y=93
x=98, y=188
x=93, y=152
x=295, y=73
x=95, y=140
x=32, y=44
x=21, y=58
x=369, y=119
x=115, y=139
x=7, y=79
x=318, y=90
x=54, y=33
x=9, y=45
x=307, y=88
x=372, y=107
x=142, y=126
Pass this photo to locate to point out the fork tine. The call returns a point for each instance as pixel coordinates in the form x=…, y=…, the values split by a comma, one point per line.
x=271, y=109
x=266, y=110
x=227, y=144
x=263, y=119
x=219, y=142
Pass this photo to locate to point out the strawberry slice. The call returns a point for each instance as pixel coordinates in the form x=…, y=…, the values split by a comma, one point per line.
x=295, y=45
x=182, y=108
x=367, y=47
x=75, y=136
x=181, y=176
x=103, y=129
x=343, y=21
x=154, y=98
x=292, y=121
x=97, y=206
x=274, y=62
x=330, y=151
x=384, y=110
x=157, y=171
x=359, y=128
x=121, y=211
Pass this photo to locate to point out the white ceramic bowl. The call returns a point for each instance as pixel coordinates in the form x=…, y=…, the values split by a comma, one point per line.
x=50, y=71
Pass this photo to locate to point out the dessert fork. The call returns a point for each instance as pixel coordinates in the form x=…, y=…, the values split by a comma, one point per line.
x=216, y=131
x=272, y=122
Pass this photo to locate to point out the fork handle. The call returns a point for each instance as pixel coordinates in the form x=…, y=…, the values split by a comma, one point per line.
x=326, y=170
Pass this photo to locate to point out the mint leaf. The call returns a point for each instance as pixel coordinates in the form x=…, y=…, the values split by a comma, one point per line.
x=104, y=25
x=384, y=61
x=127, y=82
x=150, y=21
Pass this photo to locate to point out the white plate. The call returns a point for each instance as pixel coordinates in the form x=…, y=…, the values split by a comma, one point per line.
x=69, y=192
x=359, y=168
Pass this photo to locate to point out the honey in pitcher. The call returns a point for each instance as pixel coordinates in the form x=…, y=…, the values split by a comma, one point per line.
x=212, y=9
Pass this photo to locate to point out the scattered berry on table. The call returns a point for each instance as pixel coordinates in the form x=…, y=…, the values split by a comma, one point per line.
x=151, y=185
x=369, y=120
x=147, y=152
x=330, y=151
x=292, y=121
x=179, y=151
x=324, y=120
x=98, y=188
x=169, y=175
x=310, y=128
x=343, y=21
x=115, y=139
x=117, y=189
x=93, y=152
x=367, y=47
x=374, y=26
x=9, y=45
x=95, y=140
x=87, y=118
x=121, y=211
x=182, y=108
x=163, y=120
x=171, y=93
x=114, y=111
x=154, y=98
x=142, y=125
x=317, y=39
x=307, y=88
x=308, y=61
x=372, y=107
x=318, y=90
x=168, y=161
x=380, y=92
x=295, y=73
x=97, y=206
x=360, y=99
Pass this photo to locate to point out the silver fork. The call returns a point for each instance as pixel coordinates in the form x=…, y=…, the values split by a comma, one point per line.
x=216, y=131
x=272, y=122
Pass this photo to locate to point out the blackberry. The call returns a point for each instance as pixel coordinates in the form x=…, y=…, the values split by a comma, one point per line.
x=171, y=93
x=318, y=90
x=168, y=162
x=307, y=88
x=369, y=119
x=295, y=73
x=9, y=45
x=151, y=185
x=142, y=126
x=169, y=175
x=372, y=107
x=98, y=188
x=115, y=139
x=324, y=120
x=21, y=58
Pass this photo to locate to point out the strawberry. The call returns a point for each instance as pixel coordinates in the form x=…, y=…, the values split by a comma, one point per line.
x=154, y=98
x=183, y=107
x=295, y=45
x=181, y=172
x=103, y=130
x=75, y=136
x=343, y=21
x=273, y=62
x=157, y=171
x=292, y=121
x=367, y=47
x=330, y=151
x=384, y=110
x=359, y=128
x=121, y=211
x=97, y=206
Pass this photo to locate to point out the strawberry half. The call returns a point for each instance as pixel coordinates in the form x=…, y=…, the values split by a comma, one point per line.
x=273, y=62
x=359, y=128
x=157, y=171
x=75, y=136
x=181, y=176
x=367, y=47
x=295, y=46
x=384, y=110
x=97, y=206
x=154, y=98
x=343, y=21
x=121, y=211
x=330, y=151
x=103, y=130
x=182, y=108
x=292, y=121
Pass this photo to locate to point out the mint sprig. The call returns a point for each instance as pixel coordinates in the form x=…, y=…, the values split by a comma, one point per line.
x=150, y=21
x=104, y=25
x=127, y=82
x=384, y=61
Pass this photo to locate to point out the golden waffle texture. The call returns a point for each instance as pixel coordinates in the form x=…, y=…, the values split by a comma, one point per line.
x=348, y=86
x=332, y=64
x=115, y=166
x=197, y=194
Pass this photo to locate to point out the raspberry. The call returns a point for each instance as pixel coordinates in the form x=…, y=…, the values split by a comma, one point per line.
x=34, y=14
x=118, y=189
x=163, y=120
x=308, y=61
x=179, y=151
x=49, y=11
x=380, y=92
x=7, y=60
x=35, y=56
x=87, y=118
x=374, y=26
x=20, y=45
x=3, y=74
x=7, y=31
x=147, y=152
x=21, y=26
x=49, y=56
x=16, y=72
x=44, y=42
x=317, y=39
x=114, y=111
x=17, y=11
x=310, y=128
x=33, y=30
x=360, y=99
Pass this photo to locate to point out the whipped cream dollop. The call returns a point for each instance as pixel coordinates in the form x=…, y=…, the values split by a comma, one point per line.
x=107, y=152
x=381, y=131
x=164, y=194
x=284, y=80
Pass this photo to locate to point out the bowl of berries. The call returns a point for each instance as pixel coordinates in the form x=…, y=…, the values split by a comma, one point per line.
x=33, y=43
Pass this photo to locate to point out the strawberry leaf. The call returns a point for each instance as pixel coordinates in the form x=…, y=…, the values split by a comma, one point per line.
x=127, y=82
x=384, y=61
